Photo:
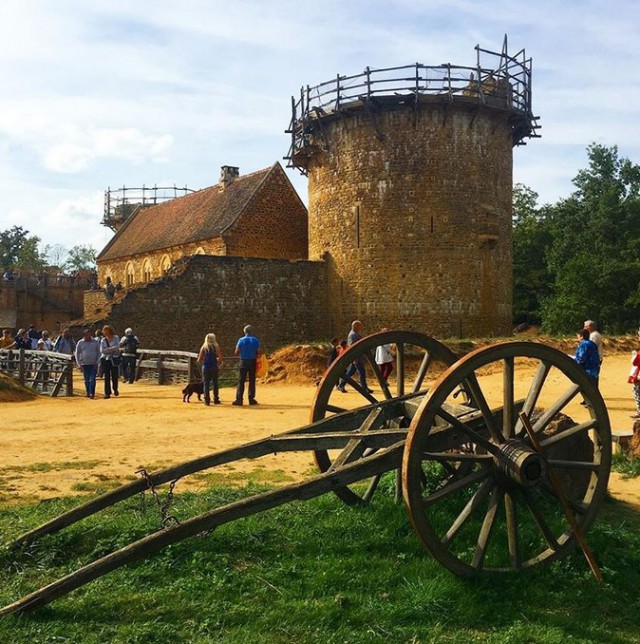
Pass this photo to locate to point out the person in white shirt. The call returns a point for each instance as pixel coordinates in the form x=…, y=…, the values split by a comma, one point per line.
x=595, y=337
x=384, y=359
x=87, y=357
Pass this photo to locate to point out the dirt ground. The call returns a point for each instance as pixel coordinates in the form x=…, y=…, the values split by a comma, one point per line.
x=55, y=447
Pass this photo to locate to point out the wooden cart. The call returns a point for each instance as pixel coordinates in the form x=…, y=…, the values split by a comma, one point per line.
x=477, y=470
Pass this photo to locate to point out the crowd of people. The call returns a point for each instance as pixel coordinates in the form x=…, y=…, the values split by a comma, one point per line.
x=104, y=354
x=98, y=355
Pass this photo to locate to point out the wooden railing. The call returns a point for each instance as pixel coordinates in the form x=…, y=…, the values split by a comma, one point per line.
x=498, y=79
x=51, y=373
x=179, y=367
x=44, y=371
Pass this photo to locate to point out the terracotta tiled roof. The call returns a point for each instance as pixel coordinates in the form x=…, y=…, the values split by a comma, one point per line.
x=205, y=214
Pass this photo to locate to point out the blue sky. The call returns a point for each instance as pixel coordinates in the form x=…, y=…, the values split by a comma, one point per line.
x=109, y=93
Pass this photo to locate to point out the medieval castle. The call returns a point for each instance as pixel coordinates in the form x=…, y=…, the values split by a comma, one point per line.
x=408, y=225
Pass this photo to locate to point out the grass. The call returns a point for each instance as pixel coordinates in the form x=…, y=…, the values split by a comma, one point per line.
x=626, y=465
x=56, y=466
x=317, y=571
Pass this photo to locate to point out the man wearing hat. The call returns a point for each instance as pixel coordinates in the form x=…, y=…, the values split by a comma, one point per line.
x=87, y=358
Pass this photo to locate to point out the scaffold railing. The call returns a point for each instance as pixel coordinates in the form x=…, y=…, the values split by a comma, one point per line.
x=498, y=80
x=120, y=203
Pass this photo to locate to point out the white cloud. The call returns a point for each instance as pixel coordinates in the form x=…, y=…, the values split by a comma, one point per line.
x=128, y=144
x=109, y=93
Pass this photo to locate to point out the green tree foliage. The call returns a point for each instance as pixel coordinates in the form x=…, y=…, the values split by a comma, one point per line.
x=593, y=247
x=19, y=250
x=531, y=237
x=81, y=257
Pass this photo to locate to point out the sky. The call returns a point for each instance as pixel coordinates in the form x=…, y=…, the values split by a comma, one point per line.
x=98, y=94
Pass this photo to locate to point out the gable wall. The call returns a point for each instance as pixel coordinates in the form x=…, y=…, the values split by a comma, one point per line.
x=274, y=223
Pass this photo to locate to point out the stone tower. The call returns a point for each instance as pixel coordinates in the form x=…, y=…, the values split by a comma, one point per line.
x=410, y=182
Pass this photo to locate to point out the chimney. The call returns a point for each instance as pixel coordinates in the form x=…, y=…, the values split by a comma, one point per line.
x=227, y=174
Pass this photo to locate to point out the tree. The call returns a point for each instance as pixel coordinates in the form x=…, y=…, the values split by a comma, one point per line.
x=18, y=250
x=594, y=253
x=531, y=237
x=81, y=257
x=56, y=254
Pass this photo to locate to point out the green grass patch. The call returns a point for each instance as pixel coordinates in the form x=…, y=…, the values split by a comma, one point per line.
x=254, y=477
x=55, y=466
x=309, y=572
x=626, y=465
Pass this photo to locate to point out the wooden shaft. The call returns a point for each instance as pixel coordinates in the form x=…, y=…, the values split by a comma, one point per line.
x=376, y=464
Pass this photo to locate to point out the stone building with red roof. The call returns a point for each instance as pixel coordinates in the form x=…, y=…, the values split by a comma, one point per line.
x=214, y=260
x=255, y=215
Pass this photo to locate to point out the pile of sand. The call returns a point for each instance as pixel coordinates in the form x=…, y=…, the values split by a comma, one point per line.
x=11, y=391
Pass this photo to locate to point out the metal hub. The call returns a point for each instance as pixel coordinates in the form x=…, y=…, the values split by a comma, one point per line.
x=521, y=463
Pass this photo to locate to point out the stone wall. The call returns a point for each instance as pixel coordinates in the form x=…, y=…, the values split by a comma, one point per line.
x=24, y=302
x=411, y=209
x=284, y=300
x=150, y=266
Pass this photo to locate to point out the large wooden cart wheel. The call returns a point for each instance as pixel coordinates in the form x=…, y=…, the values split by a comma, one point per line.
x=418, y=360
x=526, y=496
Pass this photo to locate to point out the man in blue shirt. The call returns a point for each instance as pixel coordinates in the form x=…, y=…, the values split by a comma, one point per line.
x=248, y=348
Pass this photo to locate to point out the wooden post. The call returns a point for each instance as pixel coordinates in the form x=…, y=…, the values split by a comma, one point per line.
x=190, y=369
x=21, y=367
x=160, y=369
x=70, y=376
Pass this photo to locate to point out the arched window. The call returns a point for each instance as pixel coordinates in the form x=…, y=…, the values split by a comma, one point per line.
x=130, y=274
x=146, y=271
x=165, y=264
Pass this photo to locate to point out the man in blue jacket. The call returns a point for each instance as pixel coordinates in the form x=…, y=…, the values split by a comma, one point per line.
x=248, y=348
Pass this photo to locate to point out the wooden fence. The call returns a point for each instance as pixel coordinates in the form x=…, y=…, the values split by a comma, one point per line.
x=179, y=367
x=44, y=371
x=52, y=373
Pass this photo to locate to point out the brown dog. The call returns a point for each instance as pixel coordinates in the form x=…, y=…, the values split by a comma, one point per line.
x=192, y=388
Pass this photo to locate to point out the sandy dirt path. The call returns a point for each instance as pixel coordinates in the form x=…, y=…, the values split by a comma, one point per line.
x=54, y=447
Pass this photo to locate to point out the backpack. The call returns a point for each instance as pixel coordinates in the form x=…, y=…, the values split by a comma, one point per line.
x=131, y=344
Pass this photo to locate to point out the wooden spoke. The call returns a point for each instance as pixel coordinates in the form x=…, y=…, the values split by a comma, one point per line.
x=568, y=433
x=512, y=531
x=411, y=347
x=473, y=435
x=487, y=527
x=457, y=456
x=573, y=465
x=508, y=403
x=488, y=467
x=534, y=393
x=358, y=387
x=378, y=374
x=541, y=522
x=478, y=398
x=400, y=374
x=480, y=495
x=456, y=486
x=556, y=408
x=578, y=507
x=422, y=372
